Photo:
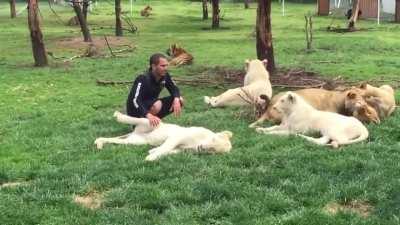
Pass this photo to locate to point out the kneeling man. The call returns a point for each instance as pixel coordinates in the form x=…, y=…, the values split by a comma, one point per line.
x=143, y=98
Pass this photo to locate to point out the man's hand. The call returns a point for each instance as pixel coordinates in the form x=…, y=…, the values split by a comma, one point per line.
x=176, y=106
x=154, y=120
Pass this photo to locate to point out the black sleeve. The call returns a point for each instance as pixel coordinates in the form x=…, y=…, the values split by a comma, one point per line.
x=136, y=96
x=170, y=85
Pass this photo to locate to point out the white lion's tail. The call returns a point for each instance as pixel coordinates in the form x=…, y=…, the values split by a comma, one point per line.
x=364, y=135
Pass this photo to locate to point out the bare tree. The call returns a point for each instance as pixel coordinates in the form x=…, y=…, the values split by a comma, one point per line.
x=12, y=9
x=205, y=9
x=397, y=12
x=118, y=23
x=38, y=49
x=264, y=46
x=215, y=14
x=246, y=4
x=354, y=15
x=82, y=22
x=85, y=6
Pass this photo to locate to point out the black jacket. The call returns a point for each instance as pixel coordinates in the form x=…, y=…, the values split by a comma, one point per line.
x=145, y=92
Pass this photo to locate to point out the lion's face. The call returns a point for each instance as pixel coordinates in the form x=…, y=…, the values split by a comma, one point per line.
x=285, y=102
x=356, y=105
x=219, y=143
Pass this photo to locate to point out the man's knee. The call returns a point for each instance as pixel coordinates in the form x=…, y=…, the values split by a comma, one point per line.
x=156, y=107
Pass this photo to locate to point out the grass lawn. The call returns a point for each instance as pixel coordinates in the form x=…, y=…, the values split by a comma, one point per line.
x=50, y=117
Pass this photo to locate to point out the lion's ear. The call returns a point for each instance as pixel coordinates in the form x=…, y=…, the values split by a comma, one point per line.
x=265, y=62
x=291, y=98
x=227, y=133
x=363, y=85
x=246, y=64
x=351, y=95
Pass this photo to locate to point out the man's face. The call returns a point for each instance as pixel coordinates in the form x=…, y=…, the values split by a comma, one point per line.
x=161, y=68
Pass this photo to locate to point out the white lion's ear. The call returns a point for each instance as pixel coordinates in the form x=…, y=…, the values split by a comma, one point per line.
x=291, y=98
x=227, y=133
x=265, y=62
x=246, y=64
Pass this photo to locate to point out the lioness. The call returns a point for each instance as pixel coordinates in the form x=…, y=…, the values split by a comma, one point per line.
x=169, y=138
x=146, y=11
x=350, y=102
x=256, y=83
x=382, y=99
x=300, y=117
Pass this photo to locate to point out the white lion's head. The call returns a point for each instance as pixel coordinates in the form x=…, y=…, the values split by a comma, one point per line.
x=219, y=143
x=286, y=102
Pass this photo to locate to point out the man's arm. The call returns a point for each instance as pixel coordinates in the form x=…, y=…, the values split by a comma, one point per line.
x=174, y=90
x=171, y=87
x=137, y=96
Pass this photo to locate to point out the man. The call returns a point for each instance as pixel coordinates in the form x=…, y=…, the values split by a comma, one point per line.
x=143, y=98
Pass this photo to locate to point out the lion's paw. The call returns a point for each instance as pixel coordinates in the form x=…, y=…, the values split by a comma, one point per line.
x=99, y=142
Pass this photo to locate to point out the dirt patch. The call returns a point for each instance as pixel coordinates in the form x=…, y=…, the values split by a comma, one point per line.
x=361, y=208
x=77, y=43
x=285, y=78
x=92, y=200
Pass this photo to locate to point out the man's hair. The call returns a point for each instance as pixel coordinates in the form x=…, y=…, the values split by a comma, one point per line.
x=155, y=59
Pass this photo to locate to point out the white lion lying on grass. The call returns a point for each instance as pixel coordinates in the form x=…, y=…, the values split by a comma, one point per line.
x=256, y=83
x=169, y=138
x=300, y=117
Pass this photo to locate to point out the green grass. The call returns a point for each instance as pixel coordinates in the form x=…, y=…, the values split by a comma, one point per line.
x=50, y=117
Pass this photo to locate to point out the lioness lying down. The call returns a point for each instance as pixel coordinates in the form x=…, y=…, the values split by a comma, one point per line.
x=169, y=138
x=382, y=99
x=256, y=83
x=350, y=102
x=300, y=117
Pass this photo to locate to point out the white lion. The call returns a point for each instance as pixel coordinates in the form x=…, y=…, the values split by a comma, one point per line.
x=300, y=117
x=256, y=83
x=169, y=138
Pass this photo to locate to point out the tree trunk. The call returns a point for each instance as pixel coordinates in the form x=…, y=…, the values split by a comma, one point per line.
x=246, y=4
x=82, y=22
x=354, y=15
x=205, y=10
x=264, y=46
x=215, y=14
x=39, y=52
x=397, y=12
x=12, y=9
x=118, y=24
x=85, y=6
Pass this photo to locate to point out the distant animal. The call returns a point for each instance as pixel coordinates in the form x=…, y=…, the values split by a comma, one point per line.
x=299, y=117
x=349, y=13
x=256, y=83
x=381, y=98
x=73, y=21
x=146, y=12
x=179, y=56
x=342, y=102
x=170, y=138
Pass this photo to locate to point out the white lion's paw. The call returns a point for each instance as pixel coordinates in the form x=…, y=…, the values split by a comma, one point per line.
x=254, y=125
x=152, y=157
x=117, y=114
x=99, y=142
x=207, y=100
x=260, y=130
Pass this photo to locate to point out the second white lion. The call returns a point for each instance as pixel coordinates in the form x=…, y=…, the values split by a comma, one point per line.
x=299, y=118
x=256, y=83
